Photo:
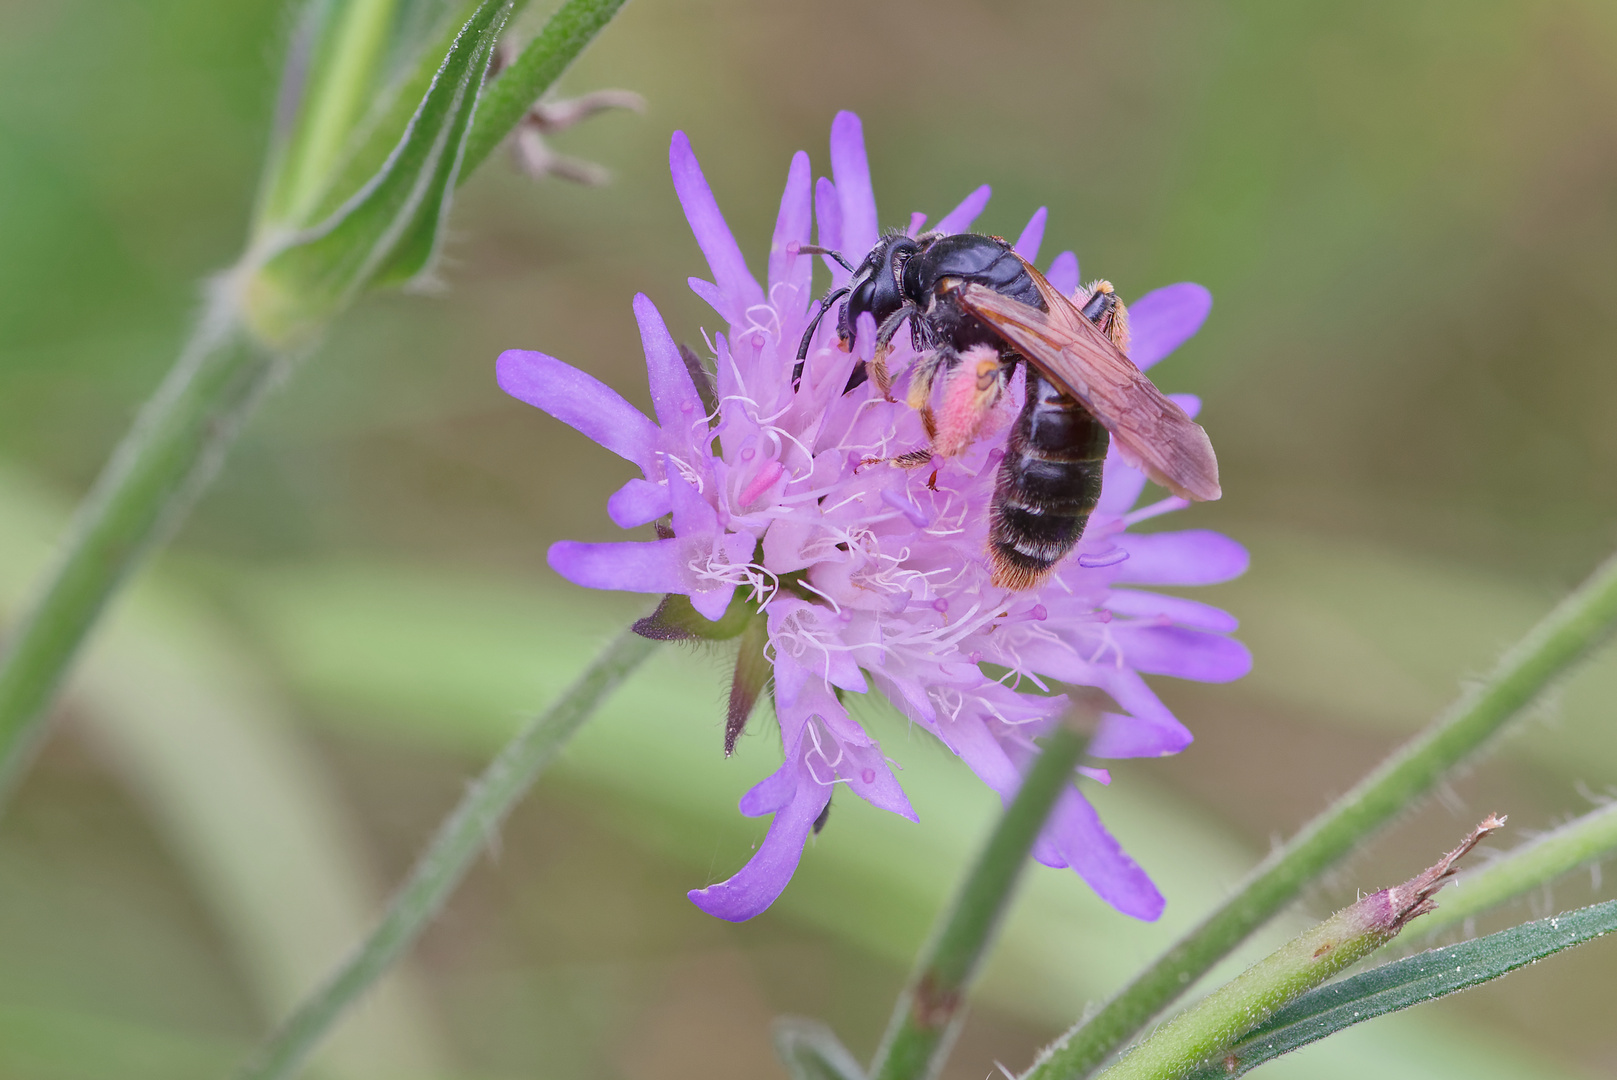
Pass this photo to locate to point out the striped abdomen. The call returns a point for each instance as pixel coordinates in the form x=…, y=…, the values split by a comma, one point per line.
x=1049, y=482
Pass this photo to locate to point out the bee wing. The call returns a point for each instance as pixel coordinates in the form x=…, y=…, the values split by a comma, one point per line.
x=1152, y=432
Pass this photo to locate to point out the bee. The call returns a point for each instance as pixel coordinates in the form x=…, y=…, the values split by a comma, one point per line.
x=976, y=309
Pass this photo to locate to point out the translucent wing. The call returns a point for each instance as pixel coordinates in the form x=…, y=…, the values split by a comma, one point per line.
x=1152, y=432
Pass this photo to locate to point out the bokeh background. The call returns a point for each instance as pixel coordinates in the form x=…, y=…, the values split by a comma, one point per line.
x=1407, y=214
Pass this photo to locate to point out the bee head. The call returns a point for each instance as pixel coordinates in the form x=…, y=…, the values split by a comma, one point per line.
x=877, y=285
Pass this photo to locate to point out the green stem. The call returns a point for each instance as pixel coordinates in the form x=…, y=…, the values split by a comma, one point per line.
x=1206, y=1031
x=931, y=1008
x=1526, y=868
x=165, y=460
x=183, y=432
x=1578, y=624
x=459, y=840
x=508, y=98
x=339, y=87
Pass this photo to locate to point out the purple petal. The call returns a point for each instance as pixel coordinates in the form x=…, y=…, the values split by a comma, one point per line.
x=638, y=502
x=1188, y=402
x=1076, y=833
x=1121, y=484
x=786, y=266
x=1063, y=273
x=790, y=677
x=1027, y=245
x=974, y=744
x=1164, y=319
x=712, y=234
x=1173, y=608
x=773, y=791
x=761, y=881
x=694, y=516
x=1190, y=557
x=1122, y=736
x=1181, y=652
x=580, y=401
x=868, y=774
x=711, y=295
x=655, y=566
x=851, y=170
x=679, y=409
x=828, y=221
x=960, y=218
x=712, y=603
x=1148, y=730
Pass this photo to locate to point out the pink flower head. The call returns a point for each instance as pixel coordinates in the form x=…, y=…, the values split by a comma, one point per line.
x=874, y=577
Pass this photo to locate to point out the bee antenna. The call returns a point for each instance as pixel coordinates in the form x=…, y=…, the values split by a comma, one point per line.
x=816, y=249
x=814, y=324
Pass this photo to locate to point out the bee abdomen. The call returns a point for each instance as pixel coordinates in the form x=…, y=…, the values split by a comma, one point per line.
x=1048, y=483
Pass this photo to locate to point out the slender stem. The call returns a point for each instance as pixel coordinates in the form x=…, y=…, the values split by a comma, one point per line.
x=1528, y=867
x=1583, y=620
x=175, y=446
x=508, y=98
x=439, y=870
x=1205, y=1031
x=167, y=457
x=931, y=1008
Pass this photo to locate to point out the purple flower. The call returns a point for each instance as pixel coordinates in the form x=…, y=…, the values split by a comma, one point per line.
x=874, y=577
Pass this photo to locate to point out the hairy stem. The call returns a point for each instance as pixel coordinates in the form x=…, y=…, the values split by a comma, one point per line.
x=335, y=102
x=184, y=430
x=154, y=476
x=1582, y=621
x=1206, y=1031
x=509, y=97
x=1528, y=867
x=439, y=870
x=931, y=1008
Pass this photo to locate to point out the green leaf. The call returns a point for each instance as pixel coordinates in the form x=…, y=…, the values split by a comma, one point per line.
x=811, y=1051
x=1411, y=981
x=390, y=229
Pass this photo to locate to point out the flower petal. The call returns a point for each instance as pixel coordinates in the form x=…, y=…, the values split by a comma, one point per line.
x=580, y=401
x=1181, y=652
x=1077, y=835
x=713, y=236
x=712, y=603
x=851, y=170
x=1148, y=730
x=1175, y=609
x=869, y=777
x=773, y=791
x=679, y=409
x=1190, y=557
x=786, y=267
x=1164, y=319
x=968, y=736
x=1027, y=245
x=1063, y=273
x=764, y=878
x=828, y=222
x=1121, y=484
x=711, y=295
x=638, y=502
x=960, y=218
x=655, y=566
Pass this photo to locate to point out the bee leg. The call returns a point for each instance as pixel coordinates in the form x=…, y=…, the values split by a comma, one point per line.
x=884, y=346
x=973, y=387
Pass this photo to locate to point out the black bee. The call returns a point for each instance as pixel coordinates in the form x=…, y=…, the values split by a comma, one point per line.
x=975, y=309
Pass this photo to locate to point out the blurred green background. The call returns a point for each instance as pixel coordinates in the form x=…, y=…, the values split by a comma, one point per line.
x=1407, y=214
